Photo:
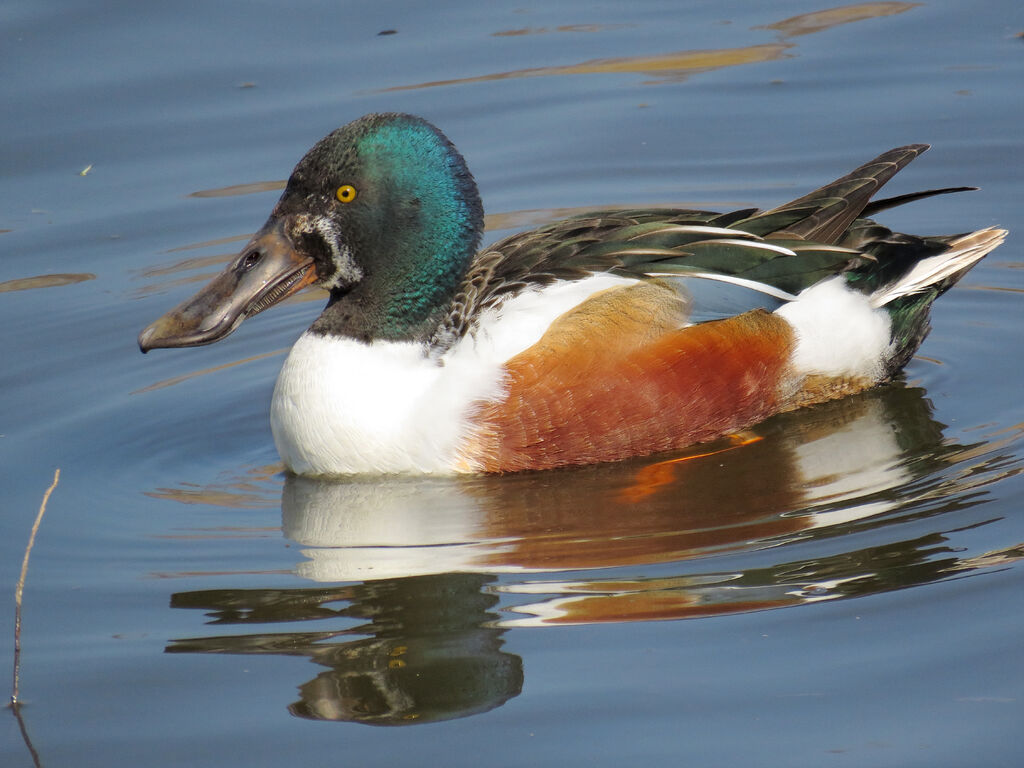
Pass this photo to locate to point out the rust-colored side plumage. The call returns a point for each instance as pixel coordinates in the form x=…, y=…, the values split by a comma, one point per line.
x=617, y=377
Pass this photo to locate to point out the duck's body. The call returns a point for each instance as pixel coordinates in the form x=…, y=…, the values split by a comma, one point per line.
x=575, y=343
x=416, y=411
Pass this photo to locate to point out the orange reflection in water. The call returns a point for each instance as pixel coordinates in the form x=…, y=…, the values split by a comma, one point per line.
x=434, y=570
x=818, y=21
x=44, y=281
x=241, y=189
x=667, y=67
x=562, y=28
x=191, y=375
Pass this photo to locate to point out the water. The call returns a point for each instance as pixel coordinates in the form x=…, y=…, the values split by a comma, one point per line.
x=841, y=588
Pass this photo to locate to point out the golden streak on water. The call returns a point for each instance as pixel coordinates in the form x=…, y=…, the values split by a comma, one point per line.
x=668, y=67
x=149, y=290
x=44, y=281
x=185, y=377
x=215, y=498
x=254, y=488
x=196, y=262
x=241, y=189
x=818, y=21
x=679, y=65
x=210, y=243
x=562, y=28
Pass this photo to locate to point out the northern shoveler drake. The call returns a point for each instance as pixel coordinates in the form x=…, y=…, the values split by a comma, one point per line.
x=586, y=340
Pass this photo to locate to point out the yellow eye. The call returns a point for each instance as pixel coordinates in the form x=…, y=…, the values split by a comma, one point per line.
x=346, y=193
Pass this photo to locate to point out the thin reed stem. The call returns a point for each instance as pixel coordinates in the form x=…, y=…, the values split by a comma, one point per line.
x=20, y=588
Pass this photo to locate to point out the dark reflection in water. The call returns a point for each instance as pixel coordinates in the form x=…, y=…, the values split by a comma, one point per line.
x=430, y=651
x=441, y=567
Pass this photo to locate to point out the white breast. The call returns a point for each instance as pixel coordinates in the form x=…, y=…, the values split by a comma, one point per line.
x=344, y=407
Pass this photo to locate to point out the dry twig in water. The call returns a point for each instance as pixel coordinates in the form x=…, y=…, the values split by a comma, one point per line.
x=18, y=590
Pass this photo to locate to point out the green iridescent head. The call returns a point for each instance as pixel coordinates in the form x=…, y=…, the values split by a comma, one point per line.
x=392, y=218
x=382, y=212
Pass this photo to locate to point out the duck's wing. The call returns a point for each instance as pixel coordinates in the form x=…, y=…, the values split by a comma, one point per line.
x=824, y=214
x=776, y=253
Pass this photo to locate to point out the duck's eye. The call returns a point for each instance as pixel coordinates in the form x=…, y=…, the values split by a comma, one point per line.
x=346, y=193
x=249, y=261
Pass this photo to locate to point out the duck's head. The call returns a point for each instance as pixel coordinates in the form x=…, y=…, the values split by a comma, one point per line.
x=383, y=213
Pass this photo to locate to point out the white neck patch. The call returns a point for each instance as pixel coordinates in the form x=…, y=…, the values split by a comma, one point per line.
x=346, y=271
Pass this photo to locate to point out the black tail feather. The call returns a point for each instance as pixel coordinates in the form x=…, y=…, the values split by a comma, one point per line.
x=891, y=202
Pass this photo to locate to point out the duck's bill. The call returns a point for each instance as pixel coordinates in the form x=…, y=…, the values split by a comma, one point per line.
x=268, y=270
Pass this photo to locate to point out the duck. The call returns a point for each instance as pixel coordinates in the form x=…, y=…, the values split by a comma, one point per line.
x=587, y=340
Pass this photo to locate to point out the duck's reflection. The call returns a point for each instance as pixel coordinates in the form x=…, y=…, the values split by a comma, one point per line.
x=835, y=464
x=426, y=649
x=436, y=569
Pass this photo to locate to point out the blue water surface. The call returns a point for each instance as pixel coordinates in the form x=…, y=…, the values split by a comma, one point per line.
x=842, y=589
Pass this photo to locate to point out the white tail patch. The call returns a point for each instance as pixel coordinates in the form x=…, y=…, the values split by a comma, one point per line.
x=838, y=332
x=964, y=252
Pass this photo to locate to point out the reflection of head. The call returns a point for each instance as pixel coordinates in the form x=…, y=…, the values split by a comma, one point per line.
x=403, y=681
x=427, y=648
